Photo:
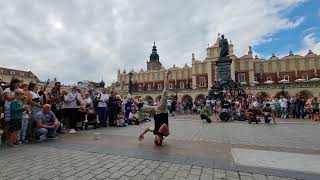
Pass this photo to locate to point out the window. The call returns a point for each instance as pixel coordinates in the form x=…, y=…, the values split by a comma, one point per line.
x=170, y=86
x=286, y=77
x=149, y=87
x=1, y=70
x=140, y=88
x=159, y=87
x=242, y=77
x=255, y=78
x=305, y=77
x=202, y=82
x=181, y=85
x=12, y=72
x=269, y=78
x=21, y=74
x=31, y=75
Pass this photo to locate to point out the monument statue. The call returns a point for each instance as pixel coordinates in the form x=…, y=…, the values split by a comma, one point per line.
x=224, y=47
x=223, y=81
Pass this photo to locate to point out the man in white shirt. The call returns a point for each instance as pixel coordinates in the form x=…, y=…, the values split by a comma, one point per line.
x=102, y=100
x=284, y=107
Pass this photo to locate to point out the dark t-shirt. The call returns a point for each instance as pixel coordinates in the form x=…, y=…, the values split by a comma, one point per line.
x=112, y=102
x=225, y=105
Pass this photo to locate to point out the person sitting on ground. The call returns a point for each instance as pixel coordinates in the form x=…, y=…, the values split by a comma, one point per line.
x=161, y=128
x=46, y=123
x=206, y=114
x=252, y=114
x=120, y=120
x=134, y=117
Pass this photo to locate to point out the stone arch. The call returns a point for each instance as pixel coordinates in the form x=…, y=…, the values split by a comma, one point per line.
x=149, y=99
x=158, y=97
x=185, y=97
x=263, y=94
x=282, y=93
x=200, y=97
x=305, y=94
x=172, y=96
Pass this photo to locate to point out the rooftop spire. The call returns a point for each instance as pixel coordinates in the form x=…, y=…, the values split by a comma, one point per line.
x=154, y=57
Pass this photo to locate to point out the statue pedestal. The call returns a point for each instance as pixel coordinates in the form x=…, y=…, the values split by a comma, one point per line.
x=224, y=81
x=223, y=67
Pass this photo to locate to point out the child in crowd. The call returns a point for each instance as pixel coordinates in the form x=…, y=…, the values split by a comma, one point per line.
x=91, y=118
x=16, y=113
x=81, y=116
x=25, y=120
x=120, y=120
x=134, y=117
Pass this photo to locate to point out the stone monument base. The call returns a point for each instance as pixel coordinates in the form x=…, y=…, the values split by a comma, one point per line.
x=223, y=67
x=224, y=81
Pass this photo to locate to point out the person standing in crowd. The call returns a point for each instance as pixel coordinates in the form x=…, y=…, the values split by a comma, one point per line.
x=55, y=101
x=16, y=112
x=9, y=94
x=46, y=123
x=112, y=107
x=284, y=107
x=25, y=120
x=72, y=101
x=102, y=100
x=173, y=107
x=87, y=100
x=299, y=107
x=35, y=106
x=128, y=105
x=42, y=93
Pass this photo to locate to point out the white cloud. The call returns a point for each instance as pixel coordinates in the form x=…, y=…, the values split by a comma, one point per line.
x=310, y=43
x=81, y=39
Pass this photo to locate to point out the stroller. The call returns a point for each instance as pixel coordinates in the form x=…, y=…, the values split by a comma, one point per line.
x=91, y=119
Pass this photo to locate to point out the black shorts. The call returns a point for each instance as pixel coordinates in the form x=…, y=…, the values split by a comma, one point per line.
x=14, y=125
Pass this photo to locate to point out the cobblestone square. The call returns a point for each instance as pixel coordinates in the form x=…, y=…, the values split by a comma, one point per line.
x=192, y=151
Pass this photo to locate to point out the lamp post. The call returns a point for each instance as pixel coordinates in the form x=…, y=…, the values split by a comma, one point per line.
x=130, y=82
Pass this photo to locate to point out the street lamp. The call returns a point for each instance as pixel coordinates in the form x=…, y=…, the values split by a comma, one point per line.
x=130, y=82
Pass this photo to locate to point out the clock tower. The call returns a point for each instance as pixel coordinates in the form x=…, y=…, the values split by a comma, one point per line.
x=154, y=63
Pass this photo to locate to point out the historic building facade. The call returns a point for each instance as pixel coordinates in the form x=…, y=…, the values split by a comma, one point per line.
x=6, y=75
x=290, y=74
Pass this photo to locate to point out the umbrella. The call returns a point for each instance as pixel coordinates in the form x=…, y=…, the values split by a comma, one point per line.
x=314, y=79
x=268, y=82
x=255, y=82
x=243, y=83
x=284, y=81
x=299, y=80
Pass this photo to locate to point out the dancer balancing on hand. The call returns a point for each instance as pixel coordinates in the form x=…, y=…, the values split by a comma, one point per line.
x=161, y=125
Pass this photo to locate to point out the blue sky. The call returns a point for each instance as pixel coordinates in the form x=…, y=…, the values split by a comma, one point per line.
x=293, y=39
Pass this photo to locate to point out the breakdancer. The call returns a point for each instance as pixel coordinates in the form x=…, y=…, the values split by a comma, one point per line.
x=161, y=125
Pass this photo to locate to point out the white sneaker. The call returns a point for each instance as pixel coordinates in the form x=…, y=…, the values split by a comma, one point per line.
x=72, y=131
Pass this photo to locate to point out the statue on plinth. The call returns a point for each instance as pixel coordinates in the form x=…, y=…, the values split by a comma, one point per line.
x=224, y=47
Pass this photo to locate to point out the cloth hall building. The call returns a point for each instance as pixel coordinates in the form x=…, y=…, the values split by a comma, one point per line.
x=274, y=76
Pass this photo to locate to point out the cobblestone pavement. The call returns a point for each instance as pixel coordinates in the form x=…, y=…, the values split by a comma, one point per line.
x=192, y=151
x=37, y=162
x=303, y=134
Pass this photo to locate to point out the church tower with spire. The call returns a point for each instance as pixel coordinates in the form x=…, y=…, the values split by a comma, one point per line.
x=154, y=63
